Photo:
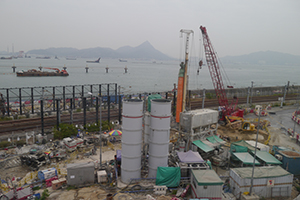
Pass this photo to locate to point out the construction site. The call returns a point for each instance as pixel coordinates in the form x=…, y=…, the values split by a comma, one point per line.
x=233, y=151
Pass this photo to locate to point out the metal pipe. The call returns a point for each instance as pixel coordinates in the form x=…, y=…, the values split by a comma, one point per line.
x=64, y=97
x=20, y=100
x=251, y=91
x=57, y=113
x=71, y=111
x=32, y=101
x=74, y=97
x=248, y=93
x=120, y=105
x=7, y=100
x=203, y=98
x=84, y=111
x=53, y=98
x=100, y=130
x=108, y=104
x=42, y=115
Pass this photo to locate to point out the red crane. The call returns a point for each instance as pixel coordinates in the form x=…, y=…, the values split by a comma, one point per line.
x=214, y=69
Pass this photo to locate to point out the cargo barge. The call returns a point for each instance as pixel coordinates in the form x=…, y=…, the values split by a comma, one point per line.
x=34, y=72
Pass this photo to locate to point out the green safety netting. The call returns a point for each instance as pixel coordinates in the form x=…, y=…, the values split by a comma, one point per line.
x=203, y=146
x=215, y=139
x=237, y=149
x=261, y=172
x=168, y=176
x=266, y=157
x=240, y=146
x=150, y=97
x=246, y=158
x=207, y=177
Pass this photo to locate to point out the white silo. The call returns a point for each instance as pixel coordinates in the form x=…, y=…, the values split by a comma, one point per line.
x=132, y=137
x=160, y=135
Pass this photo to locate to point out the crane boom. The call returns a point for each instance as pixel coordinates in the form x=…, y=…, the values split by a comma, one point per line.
x=214, y=69
x=182, y=77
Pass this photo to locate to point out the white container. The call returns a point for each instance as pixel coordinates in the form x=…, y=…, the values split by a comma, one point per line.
x=102, y=176
x=161, y=107
x=161, y=123
x=132, y=123
x=132, y=108
x=132, y=138
x=160, y=135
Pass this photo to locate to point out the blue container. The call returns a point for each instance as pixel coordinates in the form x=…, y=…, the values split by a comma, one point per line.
x=290, y=161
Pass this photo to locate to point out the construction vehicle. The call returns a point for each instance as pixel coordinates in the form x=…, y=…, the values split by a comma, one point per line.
x=214, y=69
x=245, y=125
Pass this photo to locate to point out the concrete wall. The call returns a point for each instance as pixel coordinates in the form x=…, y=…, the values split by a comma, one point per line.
x=257, y=91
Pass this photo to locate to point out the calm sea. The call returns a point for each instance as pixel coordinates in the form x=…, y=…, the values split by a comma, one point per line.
x=143, y=76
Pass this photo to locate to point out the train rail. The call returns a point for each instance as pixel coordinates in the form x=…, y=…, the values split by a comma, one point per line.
x=30, y=124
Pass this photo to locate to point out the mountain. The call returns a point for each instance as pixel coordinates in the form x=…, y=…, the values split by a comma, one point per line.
x=144, y=51
x=264, y=57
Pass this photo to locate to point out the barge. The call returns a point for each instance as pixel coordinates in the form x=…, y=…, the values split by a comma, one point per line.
x=34, y=72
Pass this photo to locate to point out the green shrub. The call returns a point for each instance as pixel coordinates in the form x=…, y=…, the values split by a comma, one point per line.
x=45, y=194
x=20, y=142
x=210, y=95
x=65, y=130
x=4, y=144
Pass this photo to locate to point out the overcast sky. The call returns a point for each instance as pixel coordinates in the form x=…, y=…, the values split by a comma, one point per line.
x=235, y=27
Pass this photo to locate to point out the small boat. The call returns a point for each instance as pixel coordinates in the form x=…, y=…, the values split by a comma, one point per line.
x=122, y=60
x=70, y=58
x=43, y=57
x=6, y=58
x=95, y=61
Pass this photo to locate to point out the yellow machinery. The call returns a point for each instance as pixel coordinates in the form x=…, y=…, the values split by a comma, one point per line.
x=245, y=125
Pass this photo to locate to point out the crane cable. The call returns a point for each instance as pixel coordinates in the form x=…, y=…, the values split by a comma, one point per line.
x=222, y=70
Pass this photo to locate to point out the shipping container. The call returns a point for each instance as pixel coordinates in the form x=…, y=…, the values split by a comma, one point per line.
x=80, y=173
x=268, y=182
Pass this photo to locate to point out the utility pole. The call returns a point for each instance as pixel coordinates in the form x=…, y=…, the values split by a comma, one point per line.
x=251, y=92
x=255, y=153
x=203, y=98
x=100, y=130
x=248, y=93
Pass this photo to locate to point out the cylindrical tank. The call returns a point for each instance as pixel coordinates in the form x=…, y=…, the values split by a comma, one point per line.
x=147, y=129
x=181, y=146
x=160, y=135
x=132, y=138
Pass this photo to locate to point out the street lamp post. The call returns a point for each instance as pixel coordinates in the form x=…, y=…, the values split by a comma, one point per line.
x=251, y=92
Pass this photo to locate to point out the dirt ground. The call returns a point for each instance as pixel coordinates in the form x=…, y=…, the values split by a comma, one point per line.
x=100, y=191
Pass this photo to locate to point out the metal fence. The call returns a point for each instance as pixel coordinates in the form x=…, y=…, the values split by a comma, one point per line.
x=26, y=100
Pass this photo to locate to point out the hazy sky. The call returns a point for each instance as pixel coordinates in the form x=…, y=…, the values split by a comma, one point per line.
x=235, y=27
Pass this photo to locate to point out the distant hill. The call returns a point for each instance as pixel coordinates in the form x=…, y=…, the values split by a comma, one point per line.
x=265, y=58
x=144, y=51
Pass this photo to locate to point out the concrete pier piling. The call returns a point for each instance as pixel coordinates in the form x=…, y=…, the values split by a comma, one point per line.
x=14, y=68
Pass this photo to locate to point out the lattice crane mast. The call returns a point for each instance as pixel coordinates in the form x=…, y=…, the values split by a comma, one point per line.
x=214, y=69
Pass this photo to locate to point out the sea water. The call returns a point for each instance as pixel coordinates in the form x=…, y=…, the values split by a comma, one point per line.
x=143, y=75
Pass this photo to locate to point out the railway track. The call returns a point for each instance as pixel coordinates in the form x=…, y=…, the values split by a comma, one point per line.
x=30, y=124
x=23, y=125
x=211, y=103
